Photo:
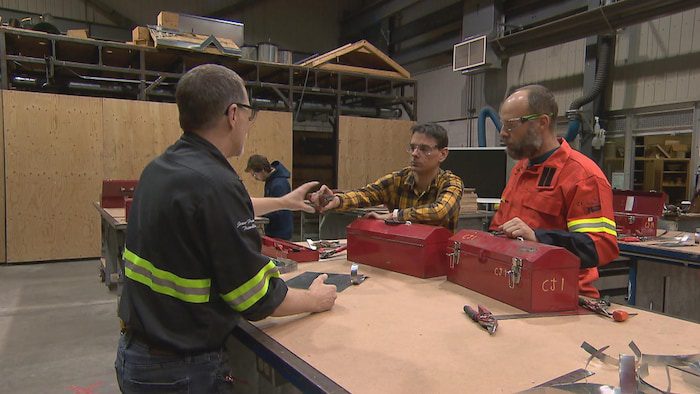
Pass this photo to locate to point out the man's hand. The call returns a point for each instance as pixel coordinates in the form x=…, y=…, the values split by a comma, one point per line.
x=324, y=295
x=380, y=216
x=515, y=228
x=324, y=199
x=295, y=199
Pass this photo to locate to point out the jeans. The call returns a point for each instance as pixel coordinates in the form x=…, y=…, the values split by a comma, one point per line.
x=140, y=370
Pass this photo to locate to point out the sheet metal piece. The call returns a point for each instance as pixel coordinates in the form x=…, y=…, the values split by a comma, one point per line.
x=691, y=375
x=580, y=311
x=571, y=377
x=576, y=388
x=598, y=353
x=628, y=374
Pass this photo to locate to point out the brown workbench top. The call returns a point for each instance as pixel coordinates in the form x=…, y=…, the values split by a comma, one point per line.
x=396, y=333
x=668, y=237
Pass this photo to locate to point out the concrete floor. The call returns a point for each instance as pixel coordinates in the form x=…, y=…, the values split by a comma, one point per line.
x=58, y=329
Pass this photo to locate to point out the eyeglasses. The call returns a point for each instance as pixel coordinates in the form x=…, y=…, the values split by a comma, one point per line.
x=510, y=124
x=253, y=111
x=426, y=150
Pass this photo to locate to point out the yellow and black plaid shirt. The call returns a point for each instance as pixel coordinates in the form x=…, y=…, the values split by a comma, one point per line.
x=437, y=206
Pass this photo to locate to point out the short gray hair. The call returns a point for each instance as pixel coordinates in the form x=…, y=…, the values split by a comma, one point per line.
x=204, y=93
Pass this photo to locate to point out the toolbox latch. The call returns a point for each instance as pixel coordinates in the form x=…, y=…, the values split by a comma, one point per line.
x=514, y=272
x=454, y=256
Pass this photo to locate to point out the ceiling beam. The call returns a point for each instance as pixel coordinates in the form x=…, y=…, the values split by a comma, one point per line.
x=110, y=13
x=598, y=21
x=354, y=25
x=442, y=44
x=427, y=23
x=235, y=6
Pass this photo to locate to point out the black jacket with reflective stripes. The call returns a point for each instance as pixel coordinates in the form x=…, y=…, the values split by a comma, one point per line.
x=192, y=258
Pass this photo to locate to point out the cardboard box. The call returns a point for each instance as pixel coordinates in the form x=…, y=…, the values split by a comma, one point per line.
x=77, y=33
x=169, y=20
x=140, y=33
x=412, y=249
x=679, y=148
x=531, y=276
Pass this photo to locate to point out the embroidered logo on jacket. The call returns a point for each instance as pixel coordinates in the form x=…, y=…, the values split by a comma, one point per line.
x=246, y=225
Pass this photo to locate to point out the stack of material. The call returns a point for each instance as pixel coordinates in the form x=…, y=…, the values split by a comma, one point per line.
x=141, y=36
x=468, y=203
x=169, y=33
x=676, y=149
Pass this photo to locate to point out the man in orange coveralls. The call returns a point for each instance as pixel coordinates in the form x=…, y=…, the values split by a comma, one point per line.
x=555, y=195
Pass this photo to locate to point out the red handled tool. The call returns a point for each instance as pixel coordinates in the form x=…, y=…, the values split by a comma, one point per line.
x=482, y=316
x=601, y=307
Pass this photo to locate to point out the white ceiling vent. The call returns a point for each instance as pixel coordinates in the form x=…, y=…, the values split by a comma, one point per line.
x=469, y=54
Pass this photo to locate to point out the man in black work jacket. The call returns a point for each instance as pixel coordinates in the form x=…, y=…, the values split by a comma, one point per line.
x=192, y=257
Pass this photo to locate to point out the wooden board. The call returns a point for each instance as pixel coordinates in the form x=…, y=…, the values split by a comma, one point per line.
x=397, y=334
x=270, y=136
x=370, y=148
x=53, y=174
x=360, y=54
x=135, y=132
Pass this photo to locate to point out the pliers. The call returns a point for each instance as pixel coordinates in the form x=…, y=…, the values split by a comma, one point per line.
x=329, y=253
x=484, y=317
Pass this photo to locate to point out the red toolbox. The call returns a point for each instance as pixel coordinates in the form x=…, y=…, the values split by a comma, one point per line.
x=115, y=190
x=127, y=206
x=528, y=275
x=637, y=213
x=412, y=249
x=273, y=247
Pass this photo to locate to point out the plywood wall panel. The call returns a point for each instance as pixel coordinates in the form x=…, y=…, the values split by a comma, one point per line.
x=53, y=173
x=270, y=136
x=135, y=132
x=370, y=148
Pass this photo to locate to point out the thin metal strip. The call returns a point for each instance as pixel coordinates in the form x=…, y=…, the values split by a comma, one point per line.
x=598, y=353
x=571, y=377
x=628, y=374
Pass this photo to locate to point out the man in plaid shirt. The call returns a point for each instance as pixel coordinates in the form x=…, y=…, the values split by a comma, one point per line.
x=421, y=193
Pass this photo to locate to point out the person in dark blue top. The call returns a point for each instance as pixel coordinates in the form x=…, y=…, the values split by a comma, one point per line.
x=276, y=178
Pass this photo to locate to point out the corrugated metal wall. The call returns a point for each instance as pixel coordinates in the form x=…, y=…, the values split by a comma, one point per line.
x=656, y=62
x=560, y=67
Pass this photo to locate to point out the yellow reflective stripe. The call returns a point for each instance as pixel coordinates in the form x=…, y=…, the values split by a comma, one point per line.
x=591, y=220
x=253, y=290
x=595, y=230
x=164, y=282
x=159, y=273
x=193, y=298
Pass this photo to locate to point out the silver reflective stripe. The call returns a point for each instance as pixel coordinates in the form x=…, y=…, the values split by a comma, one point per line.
x=253, y=290
x=165, y=282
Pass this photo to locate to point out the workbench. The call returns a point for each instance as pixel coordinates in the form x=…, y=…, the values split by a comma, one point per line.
x=664, y=279
x=113, y=225
x=395, y=334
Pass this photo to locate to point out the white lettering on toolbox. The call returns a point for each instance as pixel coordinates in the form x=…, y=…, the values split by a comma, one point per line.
x=499, y=271
x=246, y=225
x=551, y=285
